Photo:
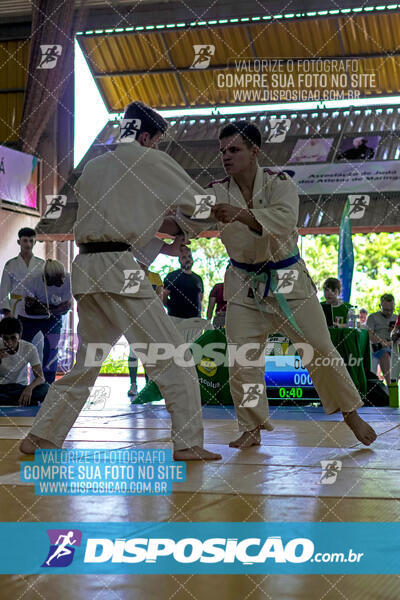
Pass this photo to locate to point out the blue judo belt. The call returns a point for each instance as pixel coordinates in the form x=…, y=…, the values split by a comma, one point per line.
x=265, y=272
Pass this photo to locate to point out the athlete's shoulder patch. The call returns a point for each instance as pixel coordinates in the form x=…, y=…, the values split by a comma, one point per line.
x=224, y=180
x=279, y=174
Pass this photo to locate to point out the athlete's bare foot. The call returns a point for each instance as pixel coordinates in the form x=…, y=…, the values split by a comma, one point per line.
x=247, y=439
x=33, y=442
x=195, y=453
x=363, y=432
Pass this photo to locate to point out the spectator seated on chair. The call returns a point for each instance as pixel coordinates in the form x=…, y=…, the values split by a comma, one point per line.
x=15, y=355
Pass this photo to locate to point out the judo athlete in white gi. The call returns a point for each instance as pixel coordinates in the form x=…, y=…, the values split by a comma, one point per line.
x=257, y=211
x=16, y=274
x=122, y=198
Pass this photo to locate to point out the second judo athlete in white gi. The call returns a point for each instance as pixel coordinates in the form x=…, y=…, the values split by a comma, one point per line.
x=257, y=211
x=123, y=196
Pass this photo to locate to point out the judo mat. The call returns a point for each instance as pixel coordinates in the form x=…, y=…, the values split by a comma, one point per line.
x=279, y=481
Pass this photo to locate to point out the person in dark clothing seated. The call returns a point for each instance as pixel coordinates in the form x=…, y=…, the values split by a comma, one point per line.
x=183, y=290
x=15, y=354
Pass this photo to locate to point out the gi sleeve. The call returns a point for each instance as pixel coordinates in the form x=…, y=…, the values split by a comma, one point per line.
x=180, y=191
x=5, y=290
x=281, y=214
x=149, y=252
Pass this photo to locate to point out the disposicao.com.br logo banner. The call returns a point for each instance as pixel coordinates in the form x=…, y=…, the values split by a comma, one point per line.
x=212, y=548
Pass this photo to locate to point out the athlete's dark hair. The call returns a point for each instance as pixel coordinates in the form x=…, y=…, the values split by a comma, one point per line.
x=9, y=325
x=333, y=284
x=250, y=133
x=151, y=120
x=387, y=298
x=26, y=232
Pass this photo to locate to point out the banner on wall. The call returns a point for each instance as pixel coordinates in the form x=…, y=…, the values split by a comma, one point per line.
x=311, y=150
x=345, y=178
x=18, y=177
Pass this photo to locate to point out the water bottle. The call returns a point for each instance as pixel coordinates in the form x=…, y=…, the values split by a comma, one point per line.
x=357, y=322
x=351, y=316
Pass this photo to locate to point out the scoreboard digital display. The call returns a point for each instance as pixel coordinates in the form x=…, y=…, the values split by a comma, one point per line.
x=287, y=378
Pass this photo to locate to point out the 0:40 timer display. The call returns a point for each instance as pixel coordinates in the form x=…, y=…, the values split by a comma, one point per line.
x=293, y=392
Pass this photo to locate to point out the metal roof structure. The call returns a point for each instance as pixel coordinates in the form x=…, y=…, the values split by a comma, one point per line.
x=155, y=62
x=13, y=71
x=193, y=143
x=145, y=51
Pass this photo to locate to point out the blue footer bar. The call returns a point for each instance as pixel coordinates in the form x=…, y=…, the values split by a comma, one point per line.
x=230, y=548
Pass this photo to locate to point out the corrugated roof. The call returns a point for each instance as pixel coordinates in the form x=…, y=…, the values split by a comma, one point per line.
x=155, y=66
x=13, y=72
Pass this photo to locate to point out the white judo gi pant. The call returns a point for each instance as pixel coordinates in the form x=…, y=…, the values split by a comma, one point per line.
x=103, y=318
x=246, y=325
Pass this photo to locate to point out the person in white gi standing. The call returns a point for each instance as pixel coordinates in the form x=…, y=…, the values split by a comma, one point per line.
x=16, y=274
x=123, y=197
x=268, y=287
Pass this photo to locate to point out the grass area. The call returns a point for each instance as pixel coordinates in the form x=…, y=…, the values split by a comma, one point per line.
x=118, y=366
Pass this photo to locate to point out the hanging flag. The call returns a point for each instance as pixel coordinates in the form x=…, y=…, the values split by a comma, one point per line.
x=346, y=255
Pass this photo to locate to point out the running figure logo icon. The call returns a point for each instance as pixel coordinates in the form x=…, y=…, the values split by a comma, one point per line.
x=202, y=55
x=286, y=278
x=358, y=204
x=278, y=130
x=252, y=393
x=133, y=279
x=62, y=547
x=98, y=397
x=50, y=55
x=204, y=205
x=330, y=470
x=128, y=130
x=55, y=204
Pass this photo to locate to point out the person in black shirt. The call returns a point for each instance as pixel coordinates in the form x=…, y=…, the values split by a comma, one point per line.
x=360, y=151
x=183, y=290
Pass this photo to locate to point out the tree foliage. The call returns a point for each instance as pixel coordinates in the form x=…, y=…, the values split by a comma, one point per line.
x=376, y=259
x=376, y=264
